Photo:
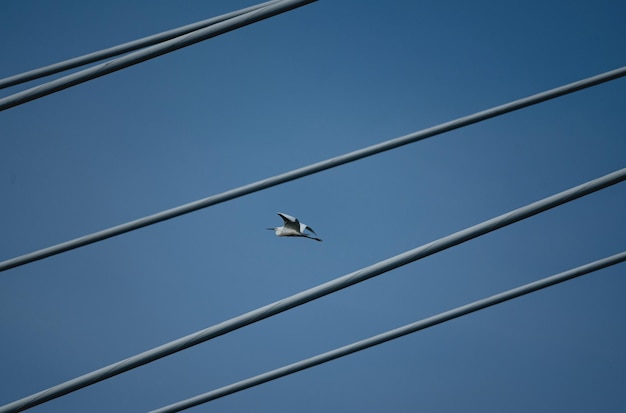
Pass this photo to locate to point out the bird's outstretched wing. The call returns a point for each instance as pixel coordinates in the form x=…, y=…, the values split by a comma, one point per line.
x=290, y=222
x=304, y=227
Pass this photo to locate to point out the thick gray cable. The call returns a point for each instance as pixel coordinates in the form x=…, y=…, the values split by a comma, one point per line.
x=308, y=170
x=315, y=292
x=122, y=48
x=393, y=334
x=151, y=52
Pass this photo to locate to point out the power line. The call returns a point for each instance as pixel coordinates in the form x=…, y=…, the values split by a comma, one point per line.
x=122, y=48
x=315, y=292
x=393, y=334
x=327, y=288
x=150, y=52
x=311, y=169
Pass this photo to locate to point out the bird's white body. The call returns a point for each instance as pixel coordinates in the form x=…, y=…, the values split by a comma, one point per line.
x=293, y=228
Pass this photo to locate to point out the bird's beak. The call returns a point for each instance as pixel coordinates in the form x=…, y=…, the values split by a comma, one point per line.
x=272, y=229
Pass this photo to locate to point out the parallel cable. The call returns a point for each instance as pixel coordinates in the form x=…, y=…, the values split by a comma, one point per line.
x=122, y=48
x=310, y=169
x=315, y=292
x=393, y=334
x=150, y=52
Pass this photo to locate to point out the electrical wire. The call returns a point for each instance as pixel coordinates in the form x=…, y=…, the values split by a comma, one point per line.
x=316, y=292
x=239, y=19
x=122, y=48
x=393, y=334
x=150, y=52
x=311, y=169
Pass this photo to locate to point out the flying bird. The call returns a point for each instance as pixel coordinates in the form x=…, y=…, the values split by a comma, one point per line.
x=293, y=228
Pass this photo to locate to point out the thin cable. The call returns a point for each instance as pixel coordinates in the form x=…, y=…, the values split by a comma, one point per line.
x=315, y=292
x=150, y=52
x=310, y=169
x=122, y=48
x=393, y=334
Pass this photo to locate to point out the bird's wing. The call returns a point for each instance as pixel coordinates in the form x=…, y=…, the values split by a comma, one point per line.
x=290, y=222
x=304, y=227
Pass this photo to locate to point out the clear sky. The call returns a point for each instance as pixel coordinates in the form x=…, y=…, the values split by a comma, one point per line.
x=298, y=88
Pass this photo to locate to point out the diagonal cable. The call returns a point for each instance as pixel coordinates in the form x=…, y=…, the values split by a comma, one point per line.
x=393, y=334
x=315, y=292
x=150, y=52
x=311, y=169
x=122, y=48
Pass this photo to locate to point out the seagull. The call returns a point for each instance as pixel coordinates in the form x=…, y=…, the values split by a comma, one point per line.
x=293, y=228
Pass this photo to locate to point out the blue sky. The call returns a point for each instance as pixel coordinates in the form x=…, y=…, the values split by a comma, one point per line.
x=298, y=88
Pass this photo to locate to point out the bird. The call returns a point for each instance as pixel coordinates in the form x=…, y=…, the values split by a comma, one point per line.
x=293, y=228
